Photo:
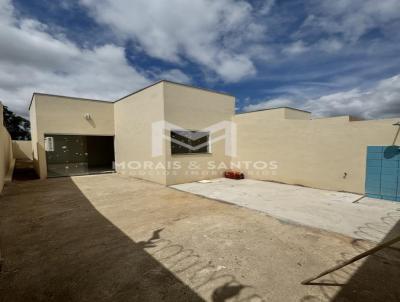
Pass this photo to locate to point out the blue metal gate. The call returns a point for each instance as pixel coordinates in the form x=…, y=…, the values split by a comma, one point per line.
x=383, y=172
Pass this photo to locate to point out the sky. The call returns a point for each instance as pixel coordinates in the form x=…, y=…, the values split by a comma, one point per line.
x=329, y=57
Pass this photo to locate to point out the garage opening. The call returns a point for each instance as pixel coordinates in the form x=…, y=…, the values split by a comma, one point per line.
x=69, y=155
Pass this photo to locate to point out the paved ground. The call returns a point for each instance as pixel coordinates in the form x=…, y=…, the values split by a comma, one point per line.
x=114, y=238
x=370, y=219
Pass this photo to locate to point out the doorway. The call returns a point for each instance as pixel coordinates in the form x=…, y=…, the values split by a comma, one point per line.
x=69, y=155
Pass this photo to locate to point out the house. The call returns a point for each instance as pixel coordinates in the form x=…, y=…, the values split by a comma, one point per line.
x=89, y=134
x=173, y=133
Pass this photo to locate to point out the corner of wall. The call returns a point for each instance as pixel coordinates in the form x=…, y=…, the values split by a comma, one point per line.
x=294, y=114
x=163, y=112
x=34, y=137
x=1, y=114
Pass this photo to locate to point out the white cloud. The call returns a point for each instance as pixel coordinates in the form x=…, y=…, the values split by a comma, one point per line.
x=175, y=75
x=224, y=39
x=352, y=18
x=329, y=45
x=211, y=33
x=33, y=60
x=380, y=100
x=295, y=48
x=266, y=6
x=342, y=28
x=273, y=103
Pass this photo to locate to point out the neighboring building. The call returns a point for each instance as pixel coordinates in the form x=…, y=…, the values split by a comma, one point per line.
x=72, y=136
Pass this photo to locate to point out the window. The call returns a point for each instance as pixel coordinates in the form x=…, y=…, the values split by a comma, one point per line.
x=183, y=142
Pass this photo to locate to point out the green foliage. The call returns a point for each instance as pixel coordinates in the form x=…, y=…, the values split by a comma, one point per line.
x=18, y=127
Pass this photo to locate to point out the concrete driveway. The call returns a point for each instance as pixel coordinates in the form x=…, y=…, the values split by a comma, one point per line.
x=344, y=213
x=115, y=238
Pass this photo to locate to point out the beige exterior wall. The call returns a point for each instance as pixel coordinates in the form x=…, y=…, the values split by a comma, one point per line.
x=34, y=135
x=64, y=115
x=186, y=107
x=311, y=152
x=131, y=121
x=134, y=116
x=196, y=109
x=295, y=114
x=6, y=156
x=314, y=152
x=22, y=150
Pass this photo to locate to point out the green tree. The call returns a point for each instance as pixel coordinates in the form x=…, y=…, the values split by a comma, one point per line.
x=18, y=127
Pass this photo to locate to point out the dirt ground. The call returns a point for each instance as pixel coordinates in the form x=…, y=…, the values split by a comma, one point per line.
x=115, y=238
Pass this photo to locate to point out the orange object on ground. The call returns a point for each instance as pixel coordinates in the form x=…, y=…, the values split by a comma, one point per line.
x=234, y=174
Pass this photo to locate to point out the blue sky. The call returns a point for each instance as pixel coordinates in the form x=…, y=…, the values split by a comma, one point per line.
x=329, y=57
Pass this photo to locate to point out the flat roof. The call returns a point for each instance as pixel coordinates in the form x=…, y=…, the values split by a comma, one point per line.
x=175, y=83
x=136, y=91
x=132, y=93
x=283, y=107
x=67, y=97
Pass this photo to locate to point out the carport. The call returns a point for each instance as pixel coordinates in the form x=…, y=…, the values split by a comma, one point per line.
x=69, y=155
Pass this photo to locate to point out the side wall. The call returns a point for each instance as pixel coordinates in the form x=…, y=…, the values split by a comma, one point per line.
x=5, y=151
x=134, y=116
x=196, y=109
x=63, y=115
x=315, y=153
x=22, y=150
x=34, y=135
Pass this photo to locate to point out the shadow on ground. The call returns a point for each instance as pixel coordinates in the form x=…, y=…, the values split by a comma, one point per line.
x=364, y=285
x=24, y=171
x=57, y=247
x=377, y=278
